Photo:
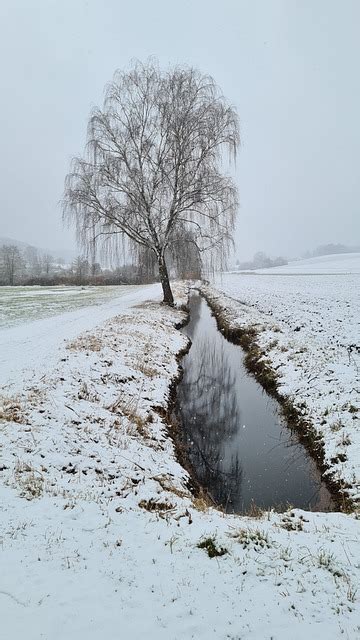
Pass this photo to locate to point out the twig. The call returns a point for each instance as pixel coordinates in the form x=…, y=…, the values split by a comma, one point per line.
x=6, y=593
x=71, y=409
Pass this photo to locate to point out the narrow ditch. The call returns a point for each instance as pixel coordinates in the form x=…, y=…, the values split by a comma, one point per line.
x=233, y=433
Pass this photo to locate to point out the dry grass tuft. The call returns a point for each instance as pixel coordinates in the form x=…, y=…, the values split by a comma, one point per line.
x=85, y=393
x=29, y=481
x=148, y=371
x=252, y=538
x=156, y=505
x=86, y=342
x=166, y=484
x=202, y=502
x=290, y=522
x=11, y=410
x=129, y=408
x=256, y=512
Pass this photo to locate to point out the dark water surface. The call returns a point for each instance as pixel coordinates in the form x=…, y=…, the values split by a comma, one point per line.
x=237, y=442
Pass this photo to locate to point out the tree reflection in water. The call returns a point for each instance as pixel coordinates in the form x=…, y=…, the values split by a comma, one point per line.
x=210, y=416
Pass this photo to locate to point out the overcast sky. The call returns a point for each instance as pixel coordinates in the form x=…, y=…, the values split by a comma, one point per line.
x=291, y=67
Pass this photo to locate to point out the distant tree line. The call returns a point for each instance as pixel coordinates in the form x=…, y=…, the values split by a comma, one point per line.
x=17, y=264
x=331, y=249
x=30, y=266
x=261, y=261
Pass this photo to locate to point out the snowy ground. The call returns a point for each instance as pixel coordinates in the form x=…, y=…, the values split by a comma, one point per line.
x=99, y=534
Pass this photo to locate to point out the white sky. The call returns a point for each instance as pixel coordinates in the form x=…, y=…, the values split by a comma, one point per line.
x=291, y=67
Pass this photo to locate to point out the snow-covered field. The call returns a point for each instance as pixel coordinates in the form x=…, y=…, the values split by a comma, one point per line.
x=100, y=535
x=32, y=347
x=22, y=304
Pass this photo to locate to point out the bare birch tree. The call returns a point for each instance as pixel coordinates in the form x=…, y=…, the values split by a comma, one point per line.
x=47, y=263
x=81, y=269
x=154, y=164
x=33, y=261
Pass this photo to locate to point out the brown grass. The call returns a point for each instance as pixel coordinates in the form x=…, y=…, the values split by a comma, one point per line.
x=11, y=410
x=166, y=484
x=128, y=407
x=87, y=342
x=202, y=501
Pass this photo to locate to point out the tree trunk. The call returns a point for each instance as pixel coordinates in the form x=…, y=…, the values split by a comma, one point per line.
x=164, y=279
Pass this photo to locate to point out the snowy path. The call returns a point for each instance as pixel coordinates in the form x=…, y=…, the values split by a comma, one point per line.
x=34, y=348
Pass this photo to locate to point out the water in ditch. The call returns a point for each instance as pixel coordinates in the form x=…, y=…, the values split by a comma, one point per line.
x=237, y=443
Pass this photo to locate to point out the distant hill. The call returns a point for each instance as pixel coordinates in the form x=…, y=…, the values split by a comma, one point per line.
x=66, y=254
x=17, y=243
